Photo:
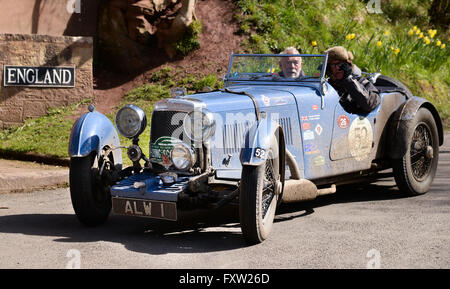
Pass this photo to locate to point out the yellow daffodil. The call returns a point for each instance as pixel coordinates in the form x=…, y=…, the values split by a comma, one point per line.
x=426, y=40
x=414, y=28
x=386, y=32
x=396, y=51
x=443, y=46
x=410, y=32
x=432, y=32
x=418, y=31
x=350, y=36
x=314, y=43
x=379, y=43
x=421, y=35
x=438, y=43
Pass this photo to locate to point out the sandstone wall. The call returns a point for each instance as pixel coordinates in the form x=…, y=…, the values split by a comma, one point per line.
x=19, y=103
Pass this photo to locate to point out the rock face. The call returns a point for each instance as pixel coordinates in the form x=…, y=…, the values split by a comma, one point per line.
x=128, y=27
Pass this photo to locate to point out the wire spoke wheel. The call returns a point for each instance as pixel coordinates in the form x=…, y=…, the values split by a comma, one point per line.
x=269, y=185
x=415, y=171
x=259, y=192
x=421, y=159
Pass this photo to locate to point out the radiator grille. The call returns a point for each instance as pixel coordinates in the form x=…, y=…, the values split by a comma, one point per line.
x=167, y=123
x=234, y=133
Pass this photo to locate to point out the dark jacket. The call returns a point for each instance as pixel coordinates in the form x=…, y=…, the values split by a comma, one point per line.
x=357, y=93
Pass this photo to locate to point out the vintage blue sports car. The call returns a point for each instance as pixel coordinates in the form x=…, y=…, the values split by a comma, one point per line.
x=264, y=139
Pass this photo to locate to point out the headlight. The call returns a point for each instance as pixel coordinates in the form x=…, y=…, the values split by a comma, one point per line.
x=199, y=125
x=131, y=121
x=183, y=157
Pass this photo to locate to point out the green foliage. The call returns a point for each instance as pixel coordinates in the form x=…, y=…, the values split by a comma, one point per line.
x=148, y=92
x=189, y=42
x=162, y=74
x=193, y=84
x=313, y=27
x=47, y=135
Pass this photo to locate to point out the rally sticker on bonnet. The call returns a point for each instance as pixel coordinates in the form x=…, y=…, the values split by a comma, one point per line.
x=161, y=150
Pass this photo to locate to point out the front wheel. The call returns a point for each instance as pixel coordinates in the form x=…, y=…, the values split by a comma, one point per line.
x=91, y=198
x=259, y=192
x=415, y=172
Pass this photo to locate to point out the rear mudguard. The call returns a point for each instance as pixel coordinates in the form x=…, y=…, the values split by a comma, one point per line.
x=91, y=133
x=402, y=122
x=257, y=142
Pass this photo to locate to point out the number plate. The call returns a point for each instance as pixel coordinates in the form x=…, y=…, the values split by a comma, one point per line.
x=145, y=208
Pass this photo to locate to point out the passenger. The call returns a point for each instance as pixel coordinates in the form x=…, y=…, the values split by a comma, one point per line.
x=357, y=93
x=291, y=67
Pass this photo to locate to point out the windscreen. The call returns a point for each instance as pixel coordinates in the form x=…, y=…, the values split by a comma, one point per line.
x=281, y=67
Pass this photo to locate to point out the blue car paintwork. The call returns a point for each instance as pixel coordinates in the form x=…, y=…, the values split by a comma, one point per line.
x=311, y=131
x=91, y=133
x=153, y=190
x=257, y=142
x=238, y=115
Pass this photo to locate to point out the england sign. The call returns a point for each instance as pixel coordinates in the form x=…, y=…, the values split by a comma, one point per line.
x=39, y=76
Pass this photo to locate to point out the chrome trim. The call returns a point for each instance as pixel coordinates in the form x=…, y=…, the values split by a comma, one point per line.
x=192, y=153
x=142, y=118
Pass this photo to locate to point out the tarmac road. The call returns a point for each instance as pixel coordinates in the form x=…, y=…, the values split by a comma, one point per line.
x=358, y=227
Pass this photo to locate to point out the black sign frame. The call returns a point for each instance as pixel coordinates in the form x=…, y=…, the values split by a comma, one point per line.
x=55, y=74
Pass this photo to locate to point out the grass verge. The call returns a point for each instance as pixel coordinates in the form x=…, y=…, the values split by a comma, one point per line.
x=49, y=135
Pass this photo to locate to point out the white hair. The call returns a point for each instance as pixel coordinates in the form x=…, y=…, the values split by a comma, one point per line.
x=291, y=49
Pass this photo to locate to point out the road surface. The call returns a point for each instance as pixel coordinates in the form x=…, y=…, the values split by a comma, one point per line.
x=358, y=227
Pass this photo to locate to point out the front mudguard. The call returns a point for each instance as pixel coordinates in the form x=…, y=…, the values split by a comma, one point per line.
x=257, y=142
x=92, y=132
x=402, y=122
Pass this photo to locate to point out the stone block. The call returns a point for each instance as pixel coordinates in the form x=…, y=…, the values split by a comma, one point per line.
x=54, y=103
x=13, y=94
x=34, y=109
x=11, y=114
x=11, y=124
x=82, y=57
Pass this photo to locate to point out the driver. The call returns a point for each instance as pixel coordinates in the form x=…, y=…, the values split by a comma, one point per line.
x=357, y=94
x=291, y=67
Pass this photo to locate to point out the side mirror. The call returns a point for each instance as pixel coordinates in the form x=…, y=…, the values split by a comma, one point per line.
x=178, y=92
x=373, y=77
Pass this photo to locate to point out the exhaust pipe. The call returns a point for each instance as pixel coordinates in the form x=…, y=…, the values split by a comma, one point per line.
x=297, y=189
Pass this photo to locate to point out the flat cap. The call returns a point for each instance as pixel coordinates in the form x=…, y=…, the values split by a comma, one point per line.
x=339, y=53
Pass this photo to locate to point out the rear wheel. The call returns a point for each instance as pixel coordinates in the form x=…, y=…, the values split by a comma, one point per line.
x=90, y=195
x=259, y=192
x=414, y=173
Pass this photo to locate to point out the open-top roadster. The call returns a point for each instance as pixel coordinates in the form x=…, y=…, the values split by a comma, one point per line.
x=262, y=140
